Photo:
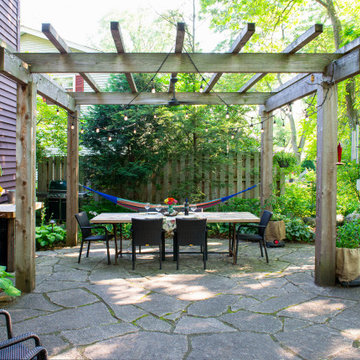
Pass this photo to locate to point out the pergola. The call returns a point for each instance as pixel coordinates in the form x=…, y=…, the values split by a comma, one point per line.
x=318, y=73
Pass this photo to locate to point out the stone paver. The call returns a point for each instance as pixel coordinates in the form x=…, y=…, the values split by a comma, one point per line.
x=72, y=298
x=142, y=345
x=154, y=324
x=249, y=321
x=244, y=346
x=194, y=325
x=212, y=307
x=161, y=304
x=252, y=310
x=97, y=333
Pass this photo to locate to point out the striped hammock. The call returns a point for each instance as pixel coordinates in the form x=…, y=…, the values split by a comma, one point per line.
x=139, y=206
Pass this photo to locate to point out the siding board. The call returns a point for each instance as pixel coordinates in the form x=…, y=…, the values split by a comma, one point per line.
x=9, y=30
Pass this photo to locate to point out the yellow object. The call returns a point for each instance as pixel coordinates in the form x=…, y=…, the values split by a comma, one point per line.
x=1, y=190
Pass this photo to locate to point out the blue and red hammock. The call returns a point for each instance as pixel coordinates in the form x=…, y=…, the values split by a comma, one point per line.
x=139, y=206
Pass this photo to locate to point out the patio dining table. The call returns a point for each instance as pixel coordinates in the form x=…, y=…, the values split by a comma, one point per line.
x=232, y=218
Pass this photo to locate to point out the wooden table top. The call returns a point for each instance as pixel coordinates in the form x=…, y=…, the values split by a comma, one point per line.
x=8, y=210
x=212, y=217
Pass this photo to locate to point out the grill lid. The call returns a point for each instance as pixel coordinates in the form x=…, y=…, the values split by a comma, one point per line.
x=57, y=185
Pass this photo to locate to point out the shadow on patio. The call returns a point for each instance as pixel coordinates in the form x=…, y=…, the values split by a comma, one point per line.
x=252, y=310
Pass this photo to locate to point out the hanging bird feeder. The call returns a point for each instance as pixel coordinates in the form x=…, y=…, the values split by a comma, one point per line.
x=339, y=152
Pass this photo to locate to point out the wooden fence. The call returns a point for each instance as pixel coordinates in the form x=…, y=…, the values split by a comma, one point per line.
x=181, y=176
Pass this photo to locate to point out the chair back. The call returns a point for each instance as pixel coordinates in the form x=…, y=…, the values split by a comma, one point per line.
x=265, y=218
x=191, y=231
x=146, y=231
x=83, y=221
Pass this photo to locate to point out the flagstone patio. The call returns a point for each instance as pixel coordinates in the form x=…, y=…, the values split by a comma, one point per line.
x=252, y=310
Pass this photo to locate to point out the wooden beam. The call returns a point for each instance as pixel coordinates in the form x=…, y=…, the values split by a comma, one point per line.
x=25, y=187
x=62, y=47
x=266, y=162
x=55, y=39
x=52, y=91
x=325, y=242
x=345, y=67
x=292, y=48
x=72, y=178
x=115, y=98
x=15, y=69
x=239, y=43
x=301, y=85
x=298, y=90
x=149, y=62
x=179, y=43
x=119, y=43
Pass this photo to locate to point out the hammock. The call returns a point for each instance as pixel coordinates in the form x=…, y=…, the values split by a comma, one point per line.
x=139, y=206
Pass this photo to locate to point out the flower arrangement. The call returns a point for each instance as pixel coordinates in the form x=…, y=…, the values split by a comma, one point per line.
x=170, y=201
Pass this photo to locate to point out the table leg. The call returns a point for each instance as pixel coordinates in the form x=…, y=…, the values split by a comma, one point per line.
x=121, y=239
x=115, y=239
x=230, y=237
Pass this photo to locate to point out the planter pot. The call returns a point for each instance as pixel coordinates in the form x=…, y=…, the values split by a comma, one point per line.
x=275, y=233
x=348, y=265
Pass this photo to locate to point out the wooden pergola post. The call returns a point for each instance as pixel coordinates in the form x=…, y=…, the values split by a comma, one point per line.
x=266, y=164
x=72, y=177
x=25, y=187
x=325, y=243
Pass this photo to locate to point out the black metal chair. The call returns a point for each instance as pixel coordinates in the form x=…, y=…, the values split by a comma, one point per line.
x=14, y=348
x=190, y=232
x=86, y=228
x=146, y=232
x=260, y=236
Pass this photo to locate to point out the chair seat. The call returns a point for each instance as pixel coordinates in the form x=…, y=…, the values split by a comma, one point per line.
x=249, y=237
x=97, y=237
x=15, y=352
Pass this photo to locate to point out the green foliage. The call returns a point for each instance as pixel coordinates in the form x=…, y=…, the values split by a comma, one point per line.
x=285, y=159
x=299, y=199
x=51, y=133
x=308, y=164
x=296, y=230
x=6, y=284
x=237, y=204
x=48, y=236
x=348, y=235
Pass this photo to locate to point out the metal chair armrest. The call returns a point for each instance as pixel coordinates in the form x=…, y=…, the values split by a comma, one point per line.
x=8, y=322
x=19, y=339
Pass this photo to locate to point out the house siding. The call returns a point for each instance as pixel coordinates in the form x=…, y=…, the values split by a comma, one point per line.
x=9, y=33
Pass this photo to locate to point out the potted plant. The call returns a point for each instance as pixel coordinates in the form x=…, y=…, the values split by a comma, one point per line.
x=275, y=231
x=348, y=253
x=284, y=159
x=7, y=289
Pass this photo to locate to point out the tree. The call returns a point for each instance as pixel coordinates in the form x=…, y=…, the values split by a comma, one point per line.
x=51, y=134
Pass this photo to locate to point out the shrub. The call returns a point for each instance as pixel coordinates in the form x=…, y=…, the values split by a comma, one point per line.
x=6, y=284
x=348, y=235
x=296, y=230
x=48, y=236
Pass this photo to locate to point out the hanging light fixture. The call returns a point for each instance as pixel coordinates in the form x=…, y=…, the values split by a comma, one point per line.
x=72, y=127
x=201, y=87
x=134, y=131
x=57, y=110
x=82, y=131
x=155, y=116
x=109, y=138
x=153, y=90
x=97, y=130
x=186, y=115
x=125, y=117
x=227, y=116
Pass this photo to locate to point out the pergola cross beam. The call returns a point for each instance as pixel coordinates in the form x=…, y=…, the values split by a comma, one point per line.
x=292, y=48
x=179, y=43
x=15, y=69
x=120, y=47
x=149, y=62
x=238, y=44
x=62, y=47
